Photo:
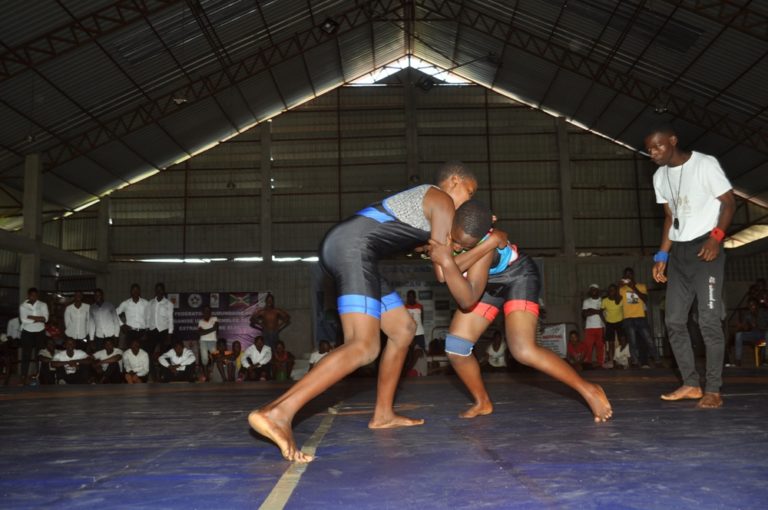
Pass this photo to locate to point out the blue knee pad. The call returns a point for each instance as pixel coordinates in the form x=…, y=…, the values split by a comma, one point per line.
x=458, y=346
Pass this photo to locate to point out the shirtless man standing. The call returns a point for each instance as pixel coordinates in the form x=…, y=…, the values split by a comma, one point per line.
x=271, y=320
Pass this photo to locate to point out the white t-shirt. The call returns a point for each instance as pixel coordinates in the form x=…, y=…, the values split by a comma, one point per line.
x=208, y=324
x=254, y=356
x=76, y=321
x=137, y=363
x=316, y=356
x=76, y=356
x=694, y=192
x=497, y=358
x=45, y=353
x=103, y=354
x=416, y=313
x=592, y=321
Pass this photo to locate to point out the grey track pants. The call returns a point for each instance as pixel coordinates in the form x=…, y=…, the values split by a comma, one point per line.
x=689, y=277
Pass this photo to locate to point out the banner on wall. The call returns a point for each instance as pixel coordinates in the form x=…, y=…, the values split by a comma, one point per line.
x=233, y=310
x=553, y=337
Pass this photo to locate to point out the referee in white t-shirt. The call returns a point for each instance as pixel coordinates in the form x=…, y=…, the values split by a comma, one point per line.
x=698, y=208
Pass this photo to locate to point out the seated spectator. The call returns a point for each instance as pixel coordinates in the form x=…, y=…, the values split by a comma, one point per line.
x=136, y=363
x=177, y=364
x=72, y=365
x=417, y=363
x=576, y=350
x=109, y=370
x=495, y=359
x=621, y=354
x=256, y=360
x=752, y=328
x=46, y=373
x=282, y=362
x=235, y=362
x=324, y=347
x=437, y=360
x=219, y=356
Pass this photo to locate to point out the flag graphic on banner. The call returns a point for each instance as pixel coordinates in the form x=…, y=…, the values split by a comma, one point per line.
x=239, y=299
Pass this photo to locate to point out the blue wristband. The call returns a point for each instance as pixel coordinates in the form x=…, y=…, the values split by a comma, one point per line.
x=661, y=256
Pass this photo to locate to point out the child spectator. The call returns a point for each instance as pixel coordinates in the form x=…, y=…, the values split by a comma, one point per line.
x=621, y=355
x=575, y=350
x=282, y=362
x=496, y=354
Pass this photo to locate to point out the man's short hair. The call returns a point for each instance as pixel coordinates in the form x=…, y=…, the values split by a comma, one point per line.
x=31, y=290
x=451, y=168
x=474, y=218
x=665, y=128
x=135, y=286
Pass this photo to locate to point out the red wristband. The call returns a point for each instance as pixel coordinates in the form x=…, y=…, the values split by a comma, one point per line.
x=717, y=234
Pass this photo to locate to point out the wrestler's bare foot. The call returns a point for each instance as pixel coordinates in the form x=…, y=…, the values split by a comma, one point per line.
x=683, y=393
x=479, y=409
x=598, y=402
x=279, y=431
x=393, y=421
x=710, y=401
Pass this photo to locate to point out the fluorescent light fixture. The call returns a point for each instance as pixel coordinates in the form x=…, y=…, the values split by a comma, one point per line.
x=248, y=259
x=285, y=259
x=145, y=175
x=746, y=236
x=311, y=259
x=86, y=205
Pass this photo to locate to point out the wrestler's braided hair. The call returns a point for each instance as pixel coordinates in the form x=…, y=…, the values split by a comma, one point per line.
x=474, y=217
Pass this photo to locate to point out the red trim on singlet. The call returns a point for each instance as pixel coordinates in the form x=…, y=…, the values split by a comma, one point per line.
x=488, y=312
x=517, y=305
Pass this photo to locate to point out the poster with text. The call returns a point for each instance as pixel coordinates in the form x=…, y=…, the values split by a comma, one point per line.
x=232, y=309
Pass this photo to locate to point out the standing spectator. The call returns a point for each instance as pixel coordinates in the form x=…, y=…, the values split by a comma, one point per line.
x=753, y=327
x=496, y=354
x=134, y=312
x=108, y=368
x=592, y=313
x=104, y=323
x=698, y=208
x=416, y=311
x=136, y=363
x=256, y=360
x=33, y=314
x=324, y=347
x=72, y=365
x=76, y=321
x=178, y=364
x=207, y=329
x=613, y=313
x=282, y=362
x=634, y=297
x=159, y=321
x=46, y=373
x=271, y=320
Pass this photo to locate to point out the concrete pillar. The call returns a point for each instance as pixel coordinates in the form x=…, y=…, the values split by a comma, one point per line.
x=413, y=176
x=266, y=192
x=566, y=209
x=103, y=237
x=29, y=272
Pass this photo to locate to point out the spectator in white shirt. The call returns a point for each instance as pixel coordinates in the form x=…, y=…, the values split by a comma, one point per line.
x=207, y=328
x=621, y=355
x=33, y=314
x=76, y=321
x=136, y=363
x=72, y=365
x=108, y=369
x=178, y=364
x=159, y=321
x=324, y=347
x=46, y=373
x=134, y=312
x=256, y=361
x=13, y=329
x=103, y=322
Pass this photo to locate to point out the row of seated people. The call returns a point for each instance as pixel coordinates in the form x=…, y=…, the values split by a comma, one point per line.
x=111, y=365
